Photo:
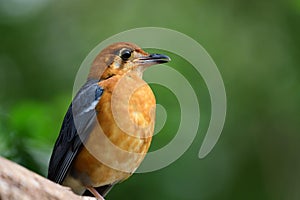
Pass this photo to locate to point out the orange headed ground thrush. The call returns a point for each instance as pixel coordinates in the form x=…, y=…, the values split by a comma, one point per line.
x=108, y=127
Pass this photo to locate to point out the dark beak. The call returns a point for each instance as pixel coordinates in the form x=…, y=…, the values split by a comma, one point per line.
x=153, y=59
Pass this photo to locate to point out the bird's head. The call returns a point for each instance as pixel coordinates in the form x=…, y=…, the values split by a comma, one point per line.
x=120, y=58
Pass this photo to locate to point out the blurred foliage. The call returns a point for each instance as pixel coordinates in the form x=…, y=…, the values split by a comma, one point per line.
x=29, y=131
x=255, y=44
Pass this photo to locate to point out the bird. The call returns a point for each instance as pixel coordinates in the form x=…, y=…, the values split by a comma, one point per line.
x=108, y=127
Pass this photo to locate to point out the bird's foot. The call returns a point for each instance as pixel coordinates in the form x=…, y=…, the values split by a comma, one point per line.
x=95, y=193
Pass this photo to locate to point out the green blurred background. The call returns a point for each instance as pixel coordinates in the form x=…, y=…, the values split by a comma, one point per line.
x=255, y=45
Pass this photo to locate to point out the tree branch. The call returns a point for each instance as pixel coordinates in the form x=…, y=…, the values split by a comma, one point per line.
x=17, y=182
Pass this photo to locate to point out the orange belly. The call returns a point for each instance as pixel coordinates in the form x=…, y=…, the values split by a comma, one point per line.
x=121, y=139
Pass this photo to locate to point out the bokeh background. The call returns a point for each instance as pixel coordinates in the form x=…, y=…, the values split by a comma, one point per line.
x=255, y=45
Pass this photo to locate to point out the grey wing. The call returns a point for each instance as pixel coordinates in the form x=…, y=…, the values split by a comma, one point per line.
x=77, y=124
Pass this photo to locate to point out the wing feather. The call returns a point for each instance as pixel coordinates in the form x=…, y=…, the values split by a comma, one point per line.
x=76, y=126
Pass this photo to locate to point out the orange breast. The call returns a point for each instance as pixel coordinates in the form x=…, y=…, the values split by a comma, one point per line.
x=119, y=142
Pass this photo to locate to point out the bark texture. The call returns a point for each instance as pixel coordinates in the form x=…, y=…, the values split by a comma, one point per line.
x=17, y=182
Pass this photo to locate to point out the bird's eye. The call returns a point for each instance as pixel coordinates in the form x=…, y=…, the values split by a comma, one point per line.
x=125, y=55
